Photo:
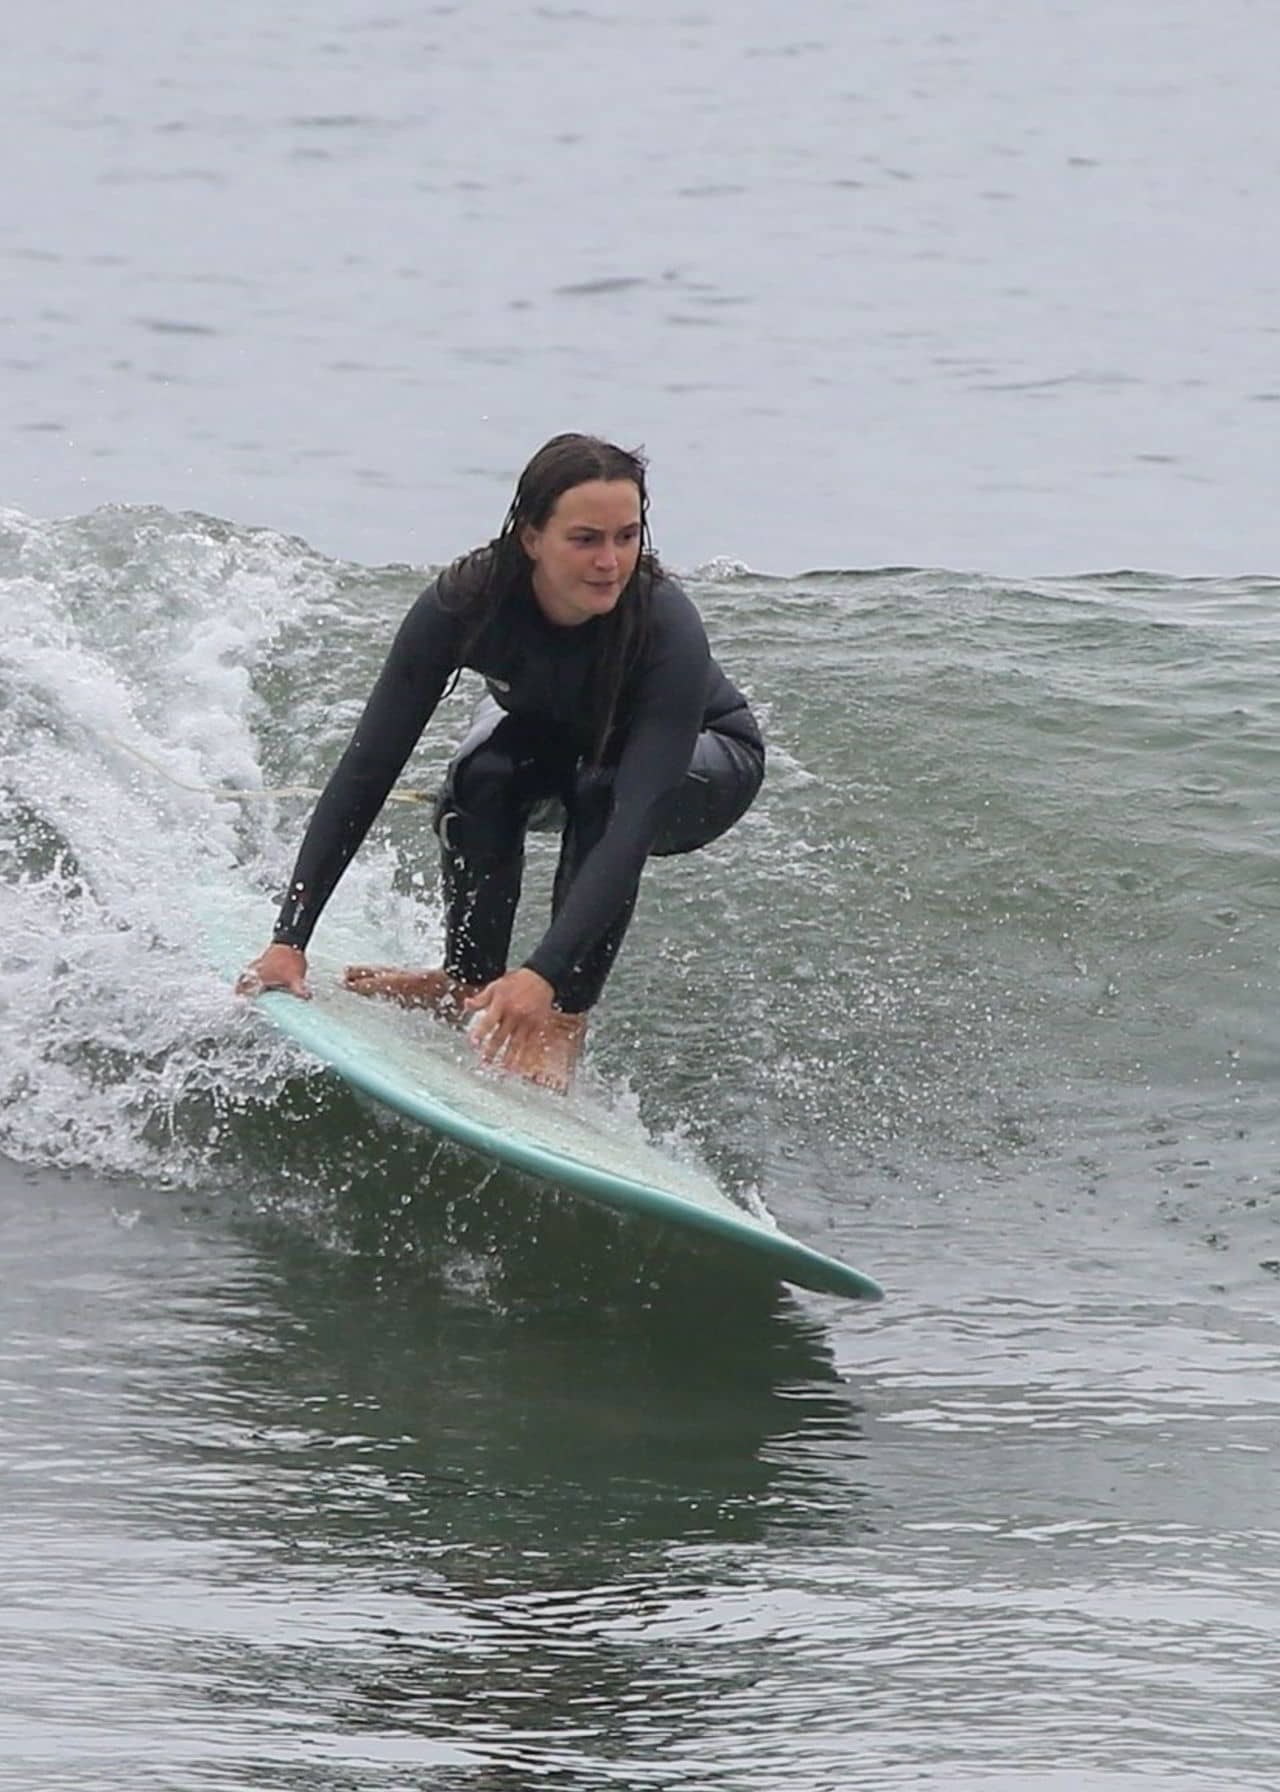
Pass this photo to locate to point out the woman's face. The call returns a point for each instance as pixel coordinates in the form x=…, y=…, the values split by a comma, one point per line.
x=585, y=551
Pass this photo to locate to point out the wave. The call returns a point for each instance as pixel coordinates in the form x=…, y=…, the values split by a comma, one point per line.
x=1013, y=871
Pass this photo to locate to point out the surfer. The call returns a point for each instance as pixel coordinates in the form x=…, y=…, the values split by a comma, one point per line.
x=606, y=716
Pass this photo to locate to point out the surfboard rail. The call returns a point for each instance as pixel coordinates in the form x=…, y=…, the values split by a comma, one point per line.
x=622, y=1194
x=716, y=1217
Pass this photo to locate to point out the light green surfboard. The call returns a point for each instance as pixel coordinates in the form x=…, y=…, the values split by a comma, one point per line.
x=428, y=1071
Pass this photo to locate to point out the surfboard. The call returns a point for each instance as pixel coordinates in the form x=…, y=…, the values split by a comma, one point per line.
x=426, y=1070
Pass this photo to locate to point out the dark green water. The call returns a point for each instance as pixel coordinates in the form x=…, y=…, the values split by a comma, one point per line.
x=330, y=1461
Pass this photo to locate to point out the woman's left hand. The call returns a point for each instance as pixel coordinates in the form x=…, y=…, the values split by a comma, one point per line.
x=512, y=1015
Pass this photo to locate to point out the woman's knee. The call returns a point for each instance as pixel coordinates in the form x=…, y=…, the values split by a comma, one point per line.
x=475, y=814
x=722, y=782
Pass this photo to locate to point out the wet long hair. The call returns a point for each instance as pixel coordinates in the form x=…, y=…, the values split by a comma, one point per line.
x=481, y=583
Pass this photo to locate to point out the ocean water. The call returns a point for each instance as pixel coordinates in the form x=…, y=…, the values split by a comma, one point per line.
x=960, y=283
x=329, y=1460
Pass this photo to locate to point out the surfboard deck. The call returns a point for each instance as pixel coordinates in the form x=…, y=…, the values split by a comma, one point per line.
x=421, y=1067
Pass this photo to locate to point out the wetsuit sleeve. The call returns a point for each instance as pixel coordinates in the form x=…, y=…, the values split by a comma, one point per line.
x=666, y=720
x=423, y=656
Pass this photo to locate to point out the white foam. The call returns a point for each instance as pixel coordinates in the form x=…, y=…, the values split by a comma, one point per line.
x=129, y=644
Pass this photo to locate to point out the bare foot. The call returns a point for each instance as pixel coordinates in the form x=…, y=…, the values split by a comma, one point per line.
x=551, y=1056
x=436, y=990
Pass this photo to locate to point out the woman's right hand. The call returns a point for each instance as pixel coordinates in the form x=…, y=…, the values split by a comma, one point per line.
x=279, y=967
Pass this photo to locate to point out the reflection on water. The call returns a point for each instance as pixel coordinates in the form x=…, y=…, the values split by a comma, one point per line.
x=330, y=1494
x=282, y=1513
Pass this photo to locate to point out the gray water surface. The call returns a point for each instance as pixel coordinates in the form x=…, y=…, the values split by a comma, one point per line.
x=330, y=1459
x=276, y=1519
x=958, y=284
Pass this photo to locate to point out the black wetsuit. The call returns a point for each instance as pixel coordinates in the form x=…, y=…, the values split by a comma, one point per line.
x=685, y=759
